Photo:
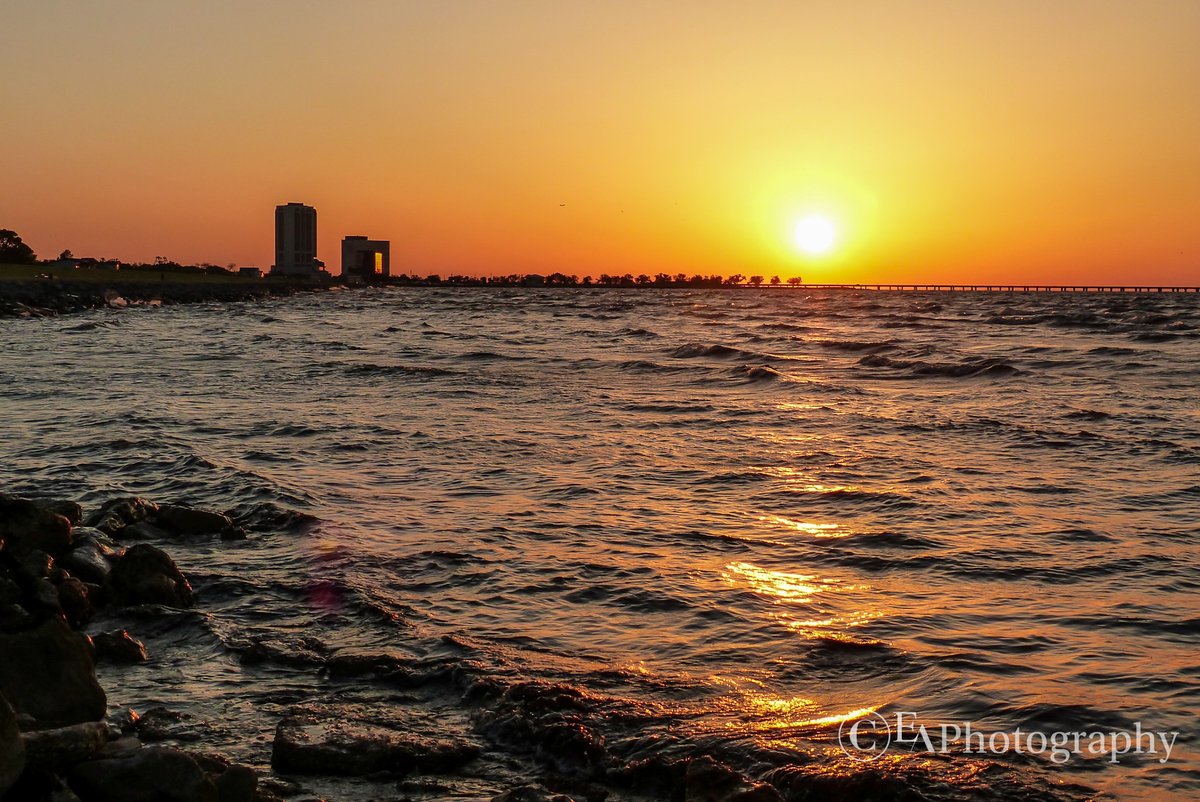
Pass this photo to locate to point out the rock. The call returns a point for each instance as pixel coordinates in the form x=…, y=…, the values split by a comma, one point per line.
x=237, y=784
x=119, y=647
x=14, y=617
x=58, y=749
x=190, y=521
x=47, y=672
x=36, y=563
x=26, y=525
x=530, y=793
x=152, y=774
x=306, y=744
x=118, y=513
x=122, y=721
x=70, y=510
x=145, y=574
x=89, y=560
x=12, y=747
x=73, y=598
x=144, y=530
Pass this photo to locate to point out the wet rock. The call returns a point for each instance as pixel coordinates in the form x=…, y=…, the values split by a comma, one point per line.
x=12, y=747
x=190, y=521
x=237, y=784
x=868, y=785
x=710, y=781
x=74, y=599
x=36, y=563
x=143, y=530
x=160, y=724
x=152, y=774
x=530, y=793
x=47, y=673
x=58, y=749
x=118, y=513
x=306, y=744
x=145, y=574
x=27, y=525
x=70, y=510
x=548, y=720
x=122, y=721
x=119, y=646
x=89, y=559
x=303, y=651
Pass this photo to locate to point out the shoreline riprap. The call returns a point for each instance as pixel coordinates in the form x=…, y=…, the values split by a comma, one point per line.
x=53, y=297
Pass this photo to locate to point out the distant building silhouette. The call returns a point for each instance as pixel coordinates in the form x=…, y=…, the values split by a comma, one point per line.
x=251, y=272
x=296, y=241
x=366, y=259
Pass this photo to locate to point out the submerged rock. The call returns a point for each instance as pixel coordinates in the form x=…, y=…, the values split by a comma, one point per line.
x=47, y=673
x=190, y=521
x=12, y=747
x=308, y=744
x=118, y=513
x=152, y=774
x=146, y=574
x=530, y=793
x=119, y=646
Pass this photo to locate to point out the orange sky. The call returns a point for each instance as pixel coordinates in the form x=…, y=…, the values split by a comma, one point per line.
x=960, y=141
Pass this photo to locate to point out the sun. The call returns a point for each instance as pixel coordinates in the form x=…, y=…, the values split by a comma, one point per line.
x=815, y=235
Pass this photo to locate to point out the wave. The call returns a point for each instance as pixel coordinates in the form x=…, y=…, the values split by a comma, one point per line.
x=370, y=369
x=990, y=367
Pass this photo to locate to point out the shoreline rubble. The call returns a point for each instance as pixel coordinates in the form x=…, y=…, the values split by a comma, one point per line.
x=54, y=297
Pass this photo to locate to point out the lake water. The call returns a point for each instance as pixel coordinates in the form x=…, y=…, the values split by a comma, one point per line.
x=722, y=522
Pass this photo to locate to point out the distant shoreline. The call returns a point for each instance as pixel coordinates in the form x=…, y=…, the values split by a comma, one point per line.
x=29, y=298
x=23, y=296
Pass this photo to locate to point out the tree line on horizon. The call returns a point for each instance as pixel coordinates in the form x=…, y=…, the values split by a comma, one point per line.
x=13, y=250
x=604, y=280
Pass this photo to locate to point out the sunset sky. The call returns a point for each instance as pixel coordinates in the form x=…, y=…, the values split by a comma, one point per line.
x=1053, y=141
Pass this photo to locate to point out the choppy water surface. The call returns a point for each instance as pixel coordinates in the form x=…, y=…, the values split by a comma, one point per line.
x=727, y=518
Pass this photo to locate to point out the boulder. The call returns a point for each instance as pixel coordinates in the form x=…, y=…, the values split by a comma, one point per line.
x=190, y=521
x=152, y=774
x=143, y=530
x=58, y=749
x=530, y=793
x=70, y=510
x=47, y=673
x=146, y=574
x=12, y=748
x=26, y=525
x=74, y=600
x=118, y=513
x=237, y=784
x=308, y=744
x=89, y=560
x=119, y=647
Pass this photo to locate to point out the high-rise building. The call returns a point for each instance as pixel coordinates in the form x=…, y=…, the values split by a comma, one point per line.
x=296, y=241
x=366, y=259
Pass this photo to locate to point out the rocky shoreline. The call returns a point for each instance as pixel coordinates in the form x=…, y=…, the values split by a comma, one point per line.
x=51, y=297
x=66, y=734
